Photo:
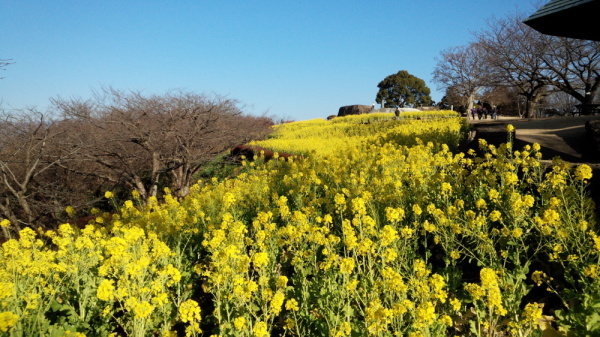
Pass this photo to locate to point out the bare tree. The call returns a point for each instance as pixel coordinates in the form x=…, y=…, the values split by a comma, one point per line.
x=456, y=99
x=30, y=147
x=145, y=142
x=512, y=50
x=463, y=69
x=114, y=140
x=561, y=102
x=500, y=97
x=574, y=66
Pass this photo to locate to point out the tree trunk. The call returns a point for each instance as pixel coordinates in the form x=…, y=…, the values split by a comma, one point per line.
x=25, y=206
x=10, y=215
x=156, y=165
x=531, y=101
x=181, y=179
x=141, y=188
x=470, y=101
x=530, y=105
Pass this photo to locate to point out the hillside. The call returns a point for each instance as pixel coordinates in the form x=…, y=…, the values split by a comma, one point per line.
x=382, y=227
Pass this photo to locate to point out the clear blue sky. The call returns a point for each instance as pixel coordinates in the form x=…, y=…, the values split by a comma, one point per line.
x=298, y=59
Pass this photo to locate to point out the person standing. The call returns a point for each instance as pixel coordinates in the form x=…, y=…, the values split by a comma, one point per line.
x=397, y=112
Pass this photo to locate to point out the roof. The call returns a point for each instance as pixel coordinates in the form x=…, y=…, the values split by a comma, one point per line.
x=577, y=19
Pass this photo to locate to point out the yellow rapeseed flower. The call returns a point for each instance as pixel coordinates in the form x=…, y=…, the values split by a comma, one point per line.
x=532, y=313
x=7, y=320
x=260, y=259
x=69, y=210
x=282, y=281
x=260, y=330
x=456, y=304
x=347, y=265
x=277, y=302
x=106, y=290
x=292, y=305
x=495, y=215
x=425, y=314
x=142, y=309
x=388, y=235
x=583, y=172
x=352, y=285
x=5, y=223
x=417, y=209
x=239, y=323
x=189, y=311
x=591, y=271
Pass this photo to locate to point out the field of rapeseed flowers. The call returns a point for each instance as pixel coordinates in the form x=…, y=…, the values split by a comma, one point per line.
x=381, y=228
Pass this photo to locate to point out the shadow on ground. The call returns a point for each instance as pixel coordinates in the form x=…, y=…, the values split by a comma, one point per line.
x=563, y=137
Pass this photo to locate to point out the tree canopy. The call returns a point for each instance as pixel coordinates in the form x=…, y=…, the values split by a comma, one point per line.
x=403, y=89
x=522, y=68
x=120, y=141
x=463, y=70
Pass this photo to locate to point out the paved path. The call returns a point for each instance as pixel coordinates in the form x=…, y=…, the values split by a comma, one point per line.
x=557, y=136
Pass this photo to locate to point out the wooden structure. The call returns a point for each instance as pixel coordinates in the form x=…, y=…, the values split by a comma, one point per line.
x=578, y=19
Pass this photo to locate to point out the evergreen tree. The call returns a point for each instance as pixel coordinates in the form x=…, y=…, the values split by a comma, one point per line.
x=403, y=89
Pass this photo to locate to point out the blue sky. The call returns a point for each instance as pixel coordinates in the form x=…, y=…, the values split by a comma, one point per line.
x=292, y=59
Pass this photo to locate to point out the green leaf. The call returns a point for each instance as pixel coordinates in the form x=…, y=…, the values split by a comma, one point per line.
x=593, y=322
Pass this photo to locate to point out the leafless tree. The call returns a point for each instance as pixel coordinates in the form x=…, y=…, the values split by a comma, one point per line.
x=454, y=98
x=122, y=140
x=574, y=66
x=30, y=148
x=463, y=69
x=512, y=50
x=561, y=102
x=148, y=141
x=510, y=54
x=500, y=97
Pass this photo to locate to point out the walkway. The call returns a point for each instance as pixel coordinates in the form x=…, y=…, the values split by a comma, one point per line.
x=557, y=136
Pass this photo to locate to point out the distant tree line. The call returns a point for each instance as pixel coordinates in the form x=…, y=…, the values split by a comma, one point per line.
x=118, y=141
x=512, y=65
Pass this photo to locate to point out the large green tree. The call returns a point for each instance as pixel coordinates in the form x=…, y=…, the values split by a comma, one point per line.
x=403, y=89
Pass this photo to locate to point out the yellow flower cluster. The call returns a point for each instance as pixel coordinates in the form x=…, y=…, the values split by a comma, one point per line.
x=88, y=271
x=369, y=233
x=7, y=320
x=489, y=291
x=189, y=312
x=326, y=137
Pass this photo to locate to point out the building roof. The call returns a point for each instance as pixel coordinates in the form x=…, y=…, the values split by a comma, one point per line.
x=579, y=19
